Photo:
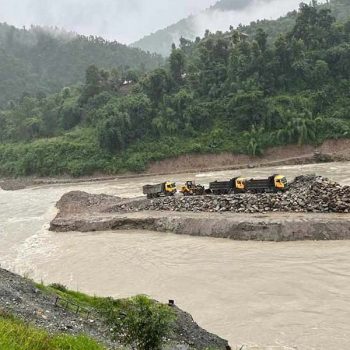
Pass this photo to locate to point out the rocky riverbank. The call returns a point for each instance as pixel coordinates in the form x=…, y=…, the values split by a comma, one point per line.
x=23, y=299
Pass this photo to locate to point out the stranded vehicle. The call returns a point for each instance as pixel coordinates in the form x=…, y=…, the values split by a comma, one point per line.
x=162, y=189
x=234, y=185
x=274, y=183
x=191, y=189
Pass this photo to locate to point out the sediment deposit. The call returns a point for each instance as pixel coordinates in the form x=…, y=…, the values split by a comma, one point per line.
x=314, y=208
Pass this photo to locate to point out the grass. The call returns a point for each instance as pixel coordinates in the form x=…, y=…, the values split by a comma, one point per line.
x=17, y=335
x=134, y=321
x=79, y=298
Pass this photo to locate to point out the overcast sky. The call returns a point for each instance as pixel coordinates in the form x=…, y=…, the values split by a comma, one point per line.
x=122, y=20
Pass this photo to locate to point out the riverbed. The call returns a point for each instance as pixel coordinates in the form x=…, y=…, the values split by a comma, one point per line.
x=291, y=295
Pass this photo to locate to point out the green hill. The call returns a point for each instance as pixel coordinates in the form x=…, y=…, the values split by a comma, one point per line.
x=225, y=92
x=188, y=28
x=162, y=40
x=44, y=61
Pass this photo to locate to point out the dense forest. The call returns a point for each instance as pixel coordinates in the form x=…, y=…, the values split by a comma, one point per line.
x=44, y=60
x=161, y=40
x=225, y=92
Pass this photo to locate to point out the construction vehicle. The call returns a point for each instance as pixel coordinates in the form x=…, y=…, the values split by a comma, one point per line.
x=162, y=189
x=274, y=183
x=191, y=189
x=235, y=185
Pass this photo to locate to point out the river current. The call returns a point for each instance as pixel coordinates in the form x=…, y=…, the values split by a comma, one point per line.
x=262, y=295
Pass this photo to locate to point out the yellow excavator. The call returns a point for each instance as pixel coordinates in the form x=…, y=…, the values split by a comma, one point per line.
x=191, y=189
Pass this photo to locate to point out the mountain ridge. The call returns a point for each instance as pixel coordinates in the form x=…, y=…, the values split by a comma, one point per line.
x=195, y=25
x=43, y=61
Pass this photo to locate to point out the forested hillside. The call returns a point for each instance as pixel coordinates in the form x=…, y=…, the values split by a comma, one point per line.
x=189, y=28
x=42, y=61
x=221, y=93
x=162, y=40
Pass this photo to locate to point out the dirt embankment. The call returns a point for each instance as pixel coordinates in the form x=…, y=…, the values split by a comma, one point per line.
x=22, y=298
x=314, y=208
x=329, y=151
x=281, y=227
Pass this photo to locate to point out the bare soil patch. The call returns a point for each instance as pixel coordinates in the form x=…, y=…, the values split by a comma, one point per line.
x=331, y=150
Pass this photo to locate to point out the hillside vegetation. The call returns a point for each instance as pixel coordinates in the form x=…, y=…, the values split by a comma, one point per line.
x=221, y=93
x=39, y=317
x=43, y=61
x=188, y=28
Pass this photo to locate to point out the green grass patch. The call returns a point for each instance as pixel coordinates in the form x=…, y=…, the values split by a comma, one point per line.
x=17, y=335
x=139, y=321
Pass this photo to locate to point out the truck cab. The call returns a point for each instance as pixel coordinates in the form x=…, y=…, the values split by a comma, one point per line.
x=170, y=188
x=280, y=182
x=240, y=184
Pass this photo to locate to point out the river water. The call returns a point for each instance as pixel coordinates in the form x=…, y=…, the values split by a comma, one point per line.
x=270, y=295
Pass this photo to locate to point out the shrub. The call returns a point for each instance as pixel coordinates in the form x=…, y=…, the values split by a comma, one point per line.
x=139, y=322
x=58, y=286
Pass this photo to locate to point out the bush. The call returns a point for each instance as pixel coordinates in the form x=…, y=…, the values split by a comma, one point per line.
x=139, y=322
x=59, y=287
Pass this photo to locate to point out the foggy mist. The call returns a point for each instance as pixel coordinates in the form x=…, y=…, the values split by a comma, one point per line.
x=129, y=20
x=121, y=20
x=257, y=9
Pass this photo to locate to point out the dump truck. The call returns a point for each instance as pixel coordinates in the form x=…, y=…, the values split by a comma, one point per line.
x=162, y=189
x=235, y=185
x=190, y=188
x=274, y=183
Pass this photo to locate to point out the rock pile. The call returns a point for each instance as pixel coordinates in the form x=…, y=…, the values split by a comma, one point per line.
x=308, y=193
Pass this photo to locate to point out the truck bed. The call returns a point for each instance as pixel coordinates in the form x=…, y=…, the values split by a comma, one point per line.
x=153, y=189
x=259, y=184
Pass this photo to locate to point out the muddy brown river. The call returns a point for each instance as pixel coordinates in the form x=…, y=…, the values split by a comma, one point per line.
x=261, y=295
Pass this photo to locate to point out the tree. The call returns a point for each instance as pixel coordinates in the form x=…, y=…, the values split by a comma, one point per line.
x=70, y=115
x=314, y=26
x=261, y=39
x=247, y=109
x=156, y=84
x=92, y=84
x=177, y=65
x=113, y=133
x=141, y=323
x=139, y=108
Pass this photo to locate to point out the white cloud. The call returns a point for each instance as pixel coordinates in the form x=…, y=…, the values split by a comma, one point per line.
x=258, y=9
x=121, y=20
x=129, y=20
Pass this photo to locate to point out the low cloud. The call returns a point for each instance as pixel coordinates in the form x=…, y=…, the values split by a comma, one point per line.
x=257, y=9
x=121, y=20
